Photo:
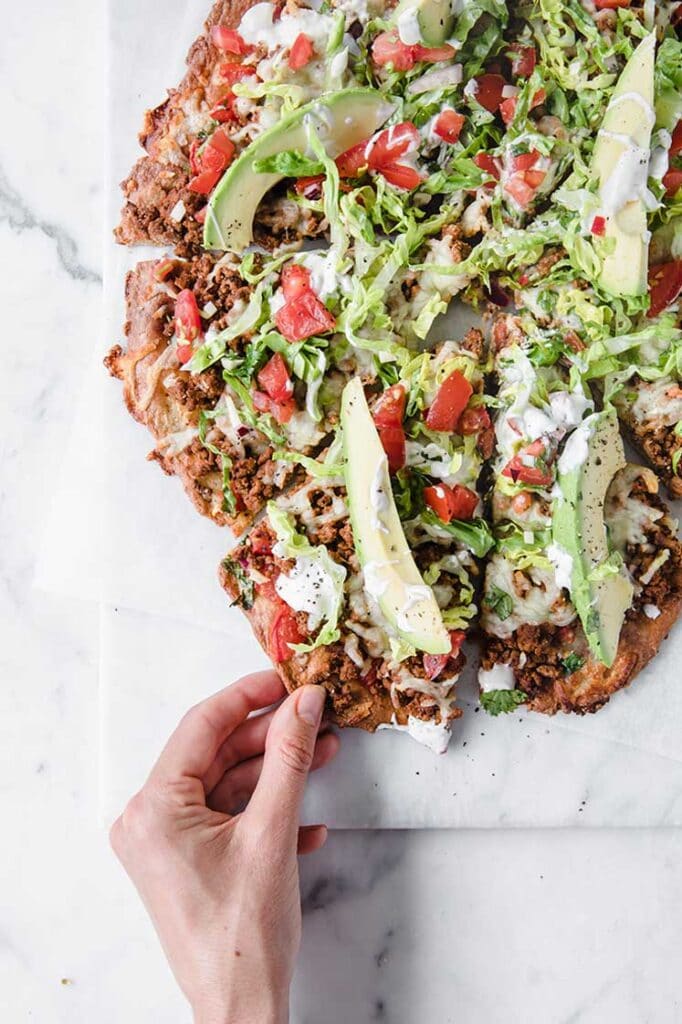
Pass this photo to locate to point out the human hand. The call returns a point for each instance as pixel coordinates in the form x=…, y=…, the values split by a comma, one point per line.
x=220, y=879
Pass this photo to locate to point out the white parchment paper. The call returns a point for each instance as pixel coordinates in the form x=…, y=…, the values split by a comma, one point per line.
x=122, y=533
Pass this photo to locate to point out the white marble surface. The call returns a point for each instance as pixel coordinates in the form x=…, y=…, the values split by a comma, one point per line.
x=579, y=925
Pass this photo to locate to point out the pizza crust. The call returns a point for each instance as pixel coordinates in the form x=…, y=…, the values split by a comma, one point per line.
x=157, y=394
x=158, y=181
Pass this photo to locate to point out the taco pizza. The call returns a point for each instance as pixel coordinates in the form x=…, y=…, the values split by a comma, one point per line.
x=329, y=182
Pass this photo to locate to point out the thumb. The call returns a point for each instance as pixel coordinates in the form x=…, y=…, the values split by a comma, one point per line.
x=289, y=748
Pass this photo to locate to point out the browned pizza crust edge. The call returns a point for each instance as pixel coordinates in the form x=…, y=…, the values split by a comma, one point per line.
x=155, y=185
x=657, y=447
x=154, y=408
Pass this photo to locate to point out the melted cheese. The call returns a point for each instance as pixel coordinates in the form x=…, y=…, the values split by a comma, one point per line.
x=539, y=600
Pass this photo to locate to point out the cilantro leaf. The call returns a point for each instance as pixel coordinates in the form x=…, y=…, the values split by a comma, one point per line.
x=499, y=602
x=246, y=586
x=572, y=662
x=501, y=702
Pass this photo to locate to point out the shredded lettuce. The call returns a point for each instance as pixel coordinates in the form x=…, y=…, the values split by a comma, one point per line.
x=205, y=420
x=474, y=534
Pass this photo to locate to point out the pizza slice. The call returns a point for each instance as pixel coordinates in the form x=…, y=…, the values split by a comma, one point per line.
x=252, y=63
x=233, y=406
x=649, y=399
x=322, y=577
x=586, y=578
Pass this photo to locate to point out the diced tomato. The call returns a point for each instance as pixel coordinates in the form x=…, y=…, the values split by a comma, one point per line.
x=534, y=178
x=261, y=402
x=676, y=144
x=435, y=663
x=524, y=161
x=451, y=502
x=521, y=192
x=310, y=187
x=457, y=638
x=437, y=497
x=508, y=106
x=448, y=125
x=184, y=353
x=463, y=502
x=214, y=158
x=275, y=380
x=473, y=420
x=388, y=48
x=536, y=448
x=200, y=215
x=229, y=40
x=260, y=540
x=232, y=71
x=401, y=175
x=603, y=5
x=353, y=162
x=450, y=402
x=393, y=441
x=204, y=182
x=382, y=153
x=283, y=632
x=283, y=411
x=295, y=280
x=433, y=54
x=519, y=469
x=390, y=144
x=304, y=317
x=187, y=317
x=672, y=182
x=489, y=91
x=489, y=164
x=508, y=109
x=598, y=226
x=523, y=61
x=665, y=285
x=225, y=113
x=390, y=409
x=221, y=142
x=301, y=52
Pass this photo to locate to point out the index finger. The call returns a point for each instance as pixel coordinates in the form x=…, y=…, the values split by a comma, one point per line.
x=192, y=748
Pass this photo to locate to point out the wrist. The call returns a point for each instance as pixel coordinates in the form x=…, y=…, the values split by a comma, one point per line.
x=244, y=1010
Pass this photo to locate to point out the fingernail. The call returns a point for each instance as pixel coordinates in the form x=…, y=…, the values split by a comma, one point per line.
x=311, y=704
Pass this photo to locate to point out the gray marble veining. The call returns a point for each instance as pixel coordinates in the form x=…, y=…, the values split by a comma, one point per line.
x=472, y=927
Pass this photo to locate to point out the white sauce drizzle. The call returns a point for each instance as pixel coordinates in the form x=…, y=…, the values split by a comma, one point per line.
x=499, y=677
x=563, y=564
x=308, y=588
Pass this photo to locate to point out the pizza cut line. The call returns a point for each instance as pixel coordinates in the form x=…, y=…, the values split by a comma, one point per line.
x=328, y=182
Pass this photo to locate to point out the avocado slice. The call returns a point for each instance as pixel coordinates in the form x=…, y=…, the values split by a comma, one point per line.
x=600, y=590
x=620, y=165
x=342, y=119
x=391, y=575
x=424, y=21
